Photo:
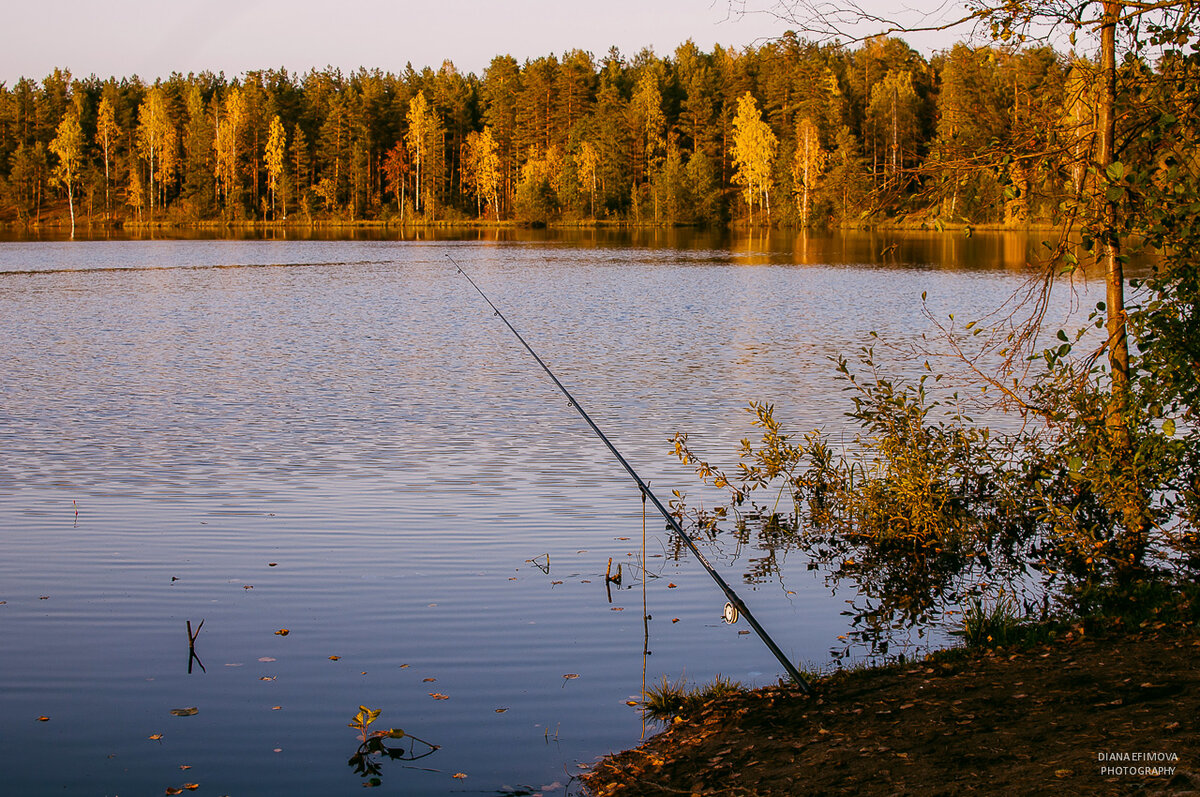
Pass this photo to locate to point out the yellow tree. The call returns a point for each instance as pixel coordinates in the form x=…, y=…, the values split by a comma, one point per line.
x=753, y=154
x=106, y=136
x=421, y=123
x=276, y=155
x=808, y=164
x=156, y=139
x=68, y=146
x=589, y=161
x=228, y=127
x=482, y=166
x=136, y=197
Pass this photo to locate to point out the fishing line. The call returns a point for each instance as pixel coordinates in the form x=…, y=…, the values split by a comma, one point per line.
x=735, y=607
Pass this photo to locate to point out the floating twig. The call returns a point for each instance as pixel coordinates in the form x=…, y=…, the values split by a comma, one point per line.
x=192, y=646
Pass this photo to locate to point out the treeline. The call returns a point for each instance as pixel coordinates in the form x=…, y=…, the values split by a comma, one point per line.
x=788, y=133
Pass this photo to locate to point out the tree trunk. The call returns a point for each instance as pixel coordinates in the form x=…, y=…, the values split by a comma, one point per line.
x=107, y=210
x=1132, y=543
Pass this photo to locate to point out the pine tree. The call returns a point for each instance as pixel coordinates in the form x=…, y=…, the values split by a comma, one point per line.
x=298, y=161
x=199, y=182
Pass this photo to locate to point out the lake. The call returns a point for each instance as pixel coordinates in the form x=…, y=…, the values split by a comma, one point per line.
x=338, y=439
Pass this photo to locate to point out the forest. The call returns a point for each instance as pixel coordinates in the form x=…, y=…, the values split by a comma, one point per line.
x=789, y=133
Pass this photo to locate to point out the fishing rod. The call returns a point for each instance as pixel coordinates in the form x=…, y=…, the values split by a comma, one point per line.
x=736, y=606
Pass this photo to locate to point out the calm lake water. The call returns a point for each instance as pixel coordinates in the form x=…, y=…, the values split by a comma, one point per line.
x=337, y=438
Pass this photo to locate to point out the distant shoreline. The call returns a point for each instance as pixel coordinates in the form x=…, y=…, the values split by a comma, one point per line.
x=925, y=225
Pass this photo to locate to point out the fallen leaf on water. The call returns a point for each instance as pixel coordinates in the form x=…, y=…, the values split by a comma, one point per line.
x=276, y=708
x=459, y=775
x=191, y=786
x=617, y=609
x=431, y=605
x=283, y=632
x=277, y=750
x=364, y=672
x=334, y=658
x=402, y=666
x=268, y=677
x=190, y=711
x=670, y=586
x=154, y=737
x=743, y=633
x=622, y=538
x=185, y=766
x=585, y=581
x=428, y=680
x=571, y=675
x=173, y=790
x=512, y=578
x=247, y=586
x=266, y=658
x=43, y=718
x=631, y=702
x=272, y=564
x=501, y=710
x=3, y=602
x=44, y=598
x=439, y=696
x=583, y=551
x=555, y=582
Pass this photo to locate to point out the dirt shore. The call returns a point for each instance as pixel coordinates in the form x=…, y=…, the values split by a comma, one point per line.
x=1115, y=715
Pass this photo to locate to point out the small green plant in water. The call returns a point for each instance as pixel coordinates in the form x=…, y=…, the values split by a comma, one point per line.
x=991, y=625
x=367, y=761
x=668, y=699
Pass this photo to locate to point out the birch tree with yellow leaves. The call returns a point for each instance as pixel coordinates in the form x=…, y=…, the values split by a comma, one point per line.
x=107, y=133
x=753, y=151
x=229, y=125
x=276, y=156
x=68, y=146
x=421, y=123
x=156, y=140
x=481, y=163
x=808, y=165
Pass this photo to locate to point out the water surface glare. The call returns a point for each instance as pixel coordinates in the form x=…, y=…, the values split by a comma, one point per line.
x=337, y=438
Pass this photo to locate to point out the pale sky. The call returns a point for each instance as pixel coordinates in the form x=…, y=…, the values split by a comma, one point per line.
x=152, y=39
